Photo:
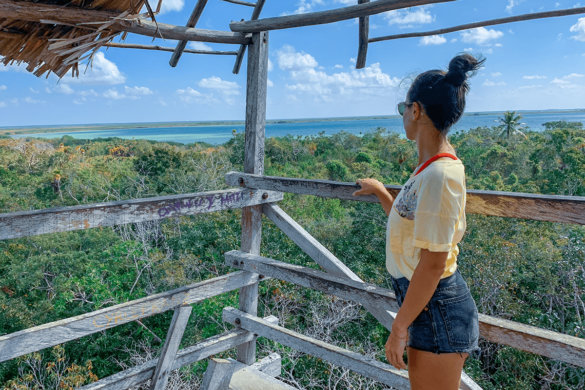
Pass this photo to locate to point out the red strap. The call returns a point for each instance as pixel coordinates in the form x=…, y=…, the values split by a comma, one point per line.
x=432, y=159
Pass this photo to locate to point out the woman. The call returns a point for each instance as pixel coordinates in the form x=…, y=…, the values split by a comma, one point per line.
x=437, y=320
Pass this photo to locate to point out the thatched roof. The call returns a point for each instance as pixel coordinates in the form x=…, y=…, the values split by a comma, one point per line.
x=29, y=36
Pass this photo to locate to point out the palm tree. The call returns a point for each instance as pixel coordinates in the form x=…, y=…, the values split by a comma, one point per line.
x=510, y=124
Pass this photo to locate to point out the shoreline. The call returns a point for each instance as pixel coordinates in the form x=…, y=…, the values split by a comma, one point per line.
x=14, y=130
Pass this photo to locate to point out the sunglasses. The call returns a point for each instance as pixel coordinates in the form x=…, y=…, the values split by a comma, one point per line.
x=402, y=107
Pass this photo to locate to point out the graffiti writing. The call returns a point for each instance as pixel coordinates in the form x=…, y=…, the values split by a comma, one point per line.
x=205, y=202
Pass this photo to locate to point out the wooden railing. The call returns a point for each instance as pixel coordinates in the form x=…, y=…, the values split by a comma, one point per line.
x=263, y=193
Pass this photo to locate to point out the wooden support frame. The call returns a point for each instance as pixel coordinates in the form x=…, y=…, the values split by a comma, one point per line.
x=364, y=28
x=92, y=19
x=193, y=19
x=551, y=208
x=255, y=14
x=43, y=336
x=492, y=22
x=63, y=219
x=557, y=346
x=254, y=164
x=218, y=375
x=241, y=2
x=325, y=17
x=169, y=351
x=363, y=365
x=140, y=374
x=169, y=49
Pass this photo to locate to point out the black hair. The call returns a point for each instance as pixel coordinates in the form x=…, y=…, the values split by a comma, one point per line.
x=442, y=94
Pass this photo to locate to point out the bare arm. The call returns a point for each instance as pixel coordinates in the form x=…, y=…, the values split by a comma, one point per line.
x=423, y=284
x=373, y=186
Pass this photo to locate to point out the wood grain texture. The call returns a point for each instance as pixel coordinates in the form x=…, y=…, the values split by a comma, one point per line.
x=257, y=76
x=528, y=338
x=193, y=19
x=58, y=332
x=492, y=22
x=255, y=14
x=324, y=17
x=364, y=31
x=552, y=208
x=202, y=350
x=363, y=365
x=91, y=19
x=169, y=350
x=62, y=219
x=241, y=2
x=218, y=374
x=323, y=257
x=169, y=49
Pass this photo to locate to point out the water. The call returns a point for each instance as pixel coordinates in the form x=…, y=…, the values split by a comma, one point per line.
x=220, y=133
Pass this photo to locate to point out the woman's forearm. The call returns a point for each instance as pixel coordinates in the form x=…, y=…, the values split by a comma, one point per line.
x=386, y=200
x=422, y=286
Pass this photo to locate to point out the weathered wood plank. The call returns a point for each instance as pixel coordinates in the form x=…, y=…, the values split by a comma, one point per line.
x=552, y=208
x=248, y=378
x=202, y=350
x=193, y=19
x=528, y=338
x=324, y=17
x=350, y=290
x=493, y=22
x=218, y=374
x=364, y=29
x=62, y=219
x=323, y=257
x=58, y=332
x=363, y=365
x=92, y=19
x=169, y=49
x=170, y=348
x=256, y=88
x=255, y=14
x=241, y=2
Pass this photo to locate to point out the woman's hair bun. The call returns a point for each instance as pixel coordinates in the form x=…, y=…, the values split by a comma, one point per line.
x=460, y=66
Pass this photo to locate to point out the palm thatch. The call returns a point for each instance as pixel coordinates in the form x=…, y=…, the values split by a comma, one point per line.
x=48, y=46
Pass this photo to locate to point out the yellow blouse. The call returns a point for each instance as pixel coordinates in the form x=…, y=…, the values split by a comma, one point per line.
x=428, y=213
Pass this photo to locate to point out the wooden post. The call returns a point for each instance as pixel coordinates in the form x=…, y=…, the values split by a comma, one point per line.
x=218, y=375
x=169, y=351
x=364, y=27
x=254, y=163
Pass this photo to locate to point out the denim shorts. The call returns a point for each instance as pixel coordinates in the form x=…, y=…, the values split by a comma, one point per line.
x=449, y=322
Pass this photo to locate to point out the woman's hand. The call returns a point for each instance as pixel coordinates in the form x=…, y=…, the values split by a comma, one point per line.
x=369, y=186
x=395, y=346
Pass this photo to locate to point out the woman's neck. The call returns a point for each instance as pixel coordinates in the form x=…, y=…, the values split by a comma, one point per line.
x=432, y=143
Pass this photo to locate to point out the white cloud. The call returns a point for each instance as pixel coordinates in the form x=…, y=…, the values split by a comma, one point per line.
x=3, y=87
x=64, y=88
x=480, y=35
x=30, y=100
x=195, y=45
x=579, y=30
x=489, y=83
x=220, y=85
x=409, y=17
x=137, y=91
x=101, y=71
x=289, y=59
x=511, y=4
x=2, y=104
x=113, y=94
x=188, y=94
x=338, y=66
x=270, y=65
x=569, y=81
x=534, y=77
x=171, y=5
x=496, y=74
x=574, y=76
x=433, y=40
x=304, y=6
x=269, y=83
x=307, y=78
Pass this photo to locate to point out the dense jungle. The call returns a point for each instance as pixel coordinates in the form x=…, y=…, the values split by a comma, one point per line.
x=527, y=271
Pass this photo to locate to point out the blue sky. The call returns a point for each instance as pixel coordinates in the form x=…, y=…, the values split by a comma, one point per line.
x=530, y=65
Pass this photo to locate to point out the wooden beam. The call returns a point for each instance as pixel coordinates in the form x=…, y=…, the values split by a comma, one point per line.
x=356, y=362
x=493, y=22
x=29, y=11
x=193, y=19
x=218, y=375
x=324, y=258
x=170, y=49
x=364, y=28
x=527, y=338
x=168, y=353
x=62, y=219
x=552, y=208
x=255, y=14
x=324, y=17
x=47, y=335
x=240, y=2
x=254, y=163
x=217, y=344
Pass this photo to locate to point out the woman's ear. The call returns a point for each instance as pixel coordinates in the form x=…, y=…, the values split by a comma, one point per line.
x=417, y=111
